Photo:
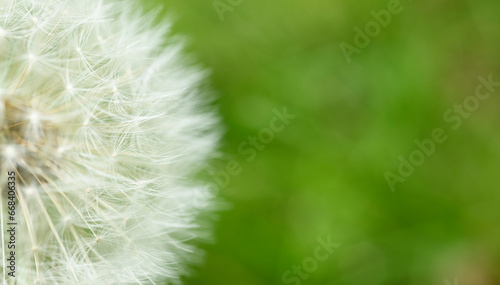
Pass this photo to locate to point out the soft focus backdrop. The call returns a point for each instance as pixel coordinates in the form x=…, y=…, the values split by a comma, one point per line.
x=322, y=176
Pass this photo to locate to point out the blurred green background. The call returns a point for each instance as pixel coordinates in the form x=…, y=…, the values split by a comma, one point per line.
x=323, y=175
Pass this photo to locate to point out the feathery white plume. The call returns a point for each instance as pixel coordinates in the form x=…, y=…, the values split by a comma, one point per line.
x=104, y=125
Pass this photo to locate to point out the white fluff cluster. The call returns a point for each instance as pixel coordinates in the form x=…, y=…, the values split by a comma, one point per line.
x=104, y=125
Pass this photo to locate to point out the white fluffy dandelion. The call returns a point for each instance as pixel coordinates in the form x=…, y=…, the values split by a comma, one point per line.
x=103, y=126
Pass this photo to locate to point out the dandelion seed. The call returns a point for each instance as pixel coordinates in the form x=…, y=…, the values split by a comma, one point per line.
x=10, y=152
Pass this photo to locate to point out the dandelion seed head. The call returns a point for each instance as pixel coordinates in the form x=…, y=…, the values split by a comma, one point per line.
x=103, y=123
